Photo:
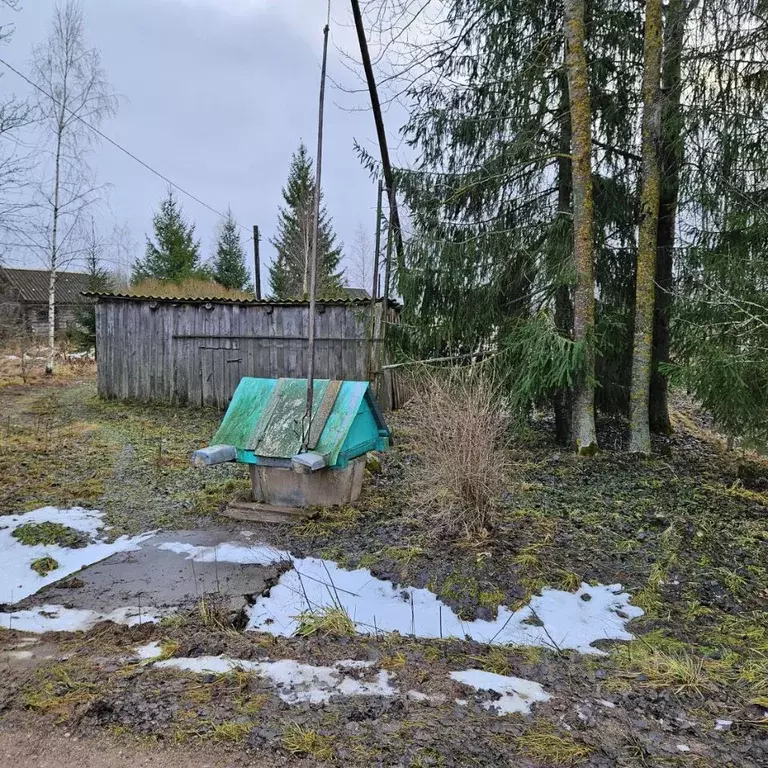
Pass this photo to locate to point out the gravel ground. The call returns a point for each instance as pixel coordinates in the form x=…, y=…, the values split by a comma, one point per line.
x=24, y=745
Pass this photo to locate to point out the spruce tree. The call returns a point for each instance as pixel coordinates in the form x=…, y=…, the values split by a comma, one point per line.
x=99, y=281
x=289, y=274
x=174, y=255
x=229, y=267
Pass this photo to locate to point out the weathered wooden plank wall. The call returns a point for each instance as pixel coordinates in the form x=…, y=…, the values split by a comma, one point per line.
x=196, y=352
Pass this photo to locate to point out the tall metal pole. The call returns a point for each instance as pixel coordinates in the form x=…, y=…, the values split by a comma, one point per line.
x=256, y=263
x=381, y=134
x=374, y=288
x=313, y=263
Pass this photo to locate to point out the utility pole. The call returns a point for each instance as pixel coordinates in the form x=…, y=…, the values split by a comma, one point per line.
x=256, y=263
x=381, y=134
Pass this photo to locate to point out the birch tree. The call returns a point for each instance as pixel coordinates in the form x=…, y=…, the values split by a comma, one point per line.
x=583, y=223
x=73, y=95
x=360, y=269
x=639, y=425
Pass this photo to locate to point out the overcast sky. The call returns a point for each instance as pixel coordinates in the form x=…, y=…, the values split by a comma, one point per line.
x=217, y=94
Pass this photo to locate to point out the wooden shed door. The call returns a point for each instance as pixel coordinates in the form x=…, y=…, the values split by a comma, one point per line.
x=219, y=373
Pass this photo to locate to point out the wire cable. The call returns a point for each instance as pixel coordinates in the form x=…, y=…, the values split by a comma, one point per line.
x=117, y=145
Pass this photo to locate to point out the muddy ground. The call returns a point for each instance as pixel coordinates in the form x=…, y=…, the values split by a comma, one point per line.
x=686, y=532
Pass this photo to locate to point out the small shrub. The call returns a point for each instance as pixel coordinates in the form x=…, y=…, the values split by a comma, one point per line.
x=49, y=534
x=44, y=565
x=461, y=429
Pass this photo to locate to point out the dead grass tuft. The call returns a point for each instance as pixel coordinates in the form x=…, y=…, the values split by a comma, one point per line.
x=462, y=468
x=187, y=289
x=305, y=741
x=58, y=692
x=332, y=621
x=547, y=747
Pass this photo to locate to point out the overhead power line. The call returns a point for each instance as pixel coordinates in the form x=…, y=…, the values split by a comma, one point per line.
x=116, y=144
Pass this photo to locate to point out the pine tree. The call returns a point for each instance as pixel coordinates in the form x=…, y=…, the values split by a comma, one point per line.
x=289, y=275
x=175, y=254
x=99, y=281
x=229, y=267
x=490, y=264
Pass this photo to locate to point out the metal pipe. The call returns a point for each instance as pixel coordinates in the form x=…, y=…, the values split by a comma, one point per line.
x=307, y=426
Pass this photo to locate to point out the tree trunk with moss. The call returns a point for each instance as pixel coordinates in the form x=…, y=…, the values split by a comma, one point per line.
x=671, y=159
x=639, y=425
x=563, y=398
x=583, y=215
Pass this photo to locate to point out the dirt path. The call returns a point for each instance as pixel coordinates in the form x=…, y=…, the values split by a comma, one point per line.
x=27, y=748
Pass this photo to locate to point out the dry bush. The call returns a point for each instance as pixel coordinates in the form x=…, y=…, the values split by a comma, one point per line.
x=187, y=289
x=459, y=434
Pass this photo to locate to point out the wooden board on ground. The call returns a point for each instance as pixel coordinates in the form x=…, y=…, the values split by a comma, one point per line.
x=265, y=513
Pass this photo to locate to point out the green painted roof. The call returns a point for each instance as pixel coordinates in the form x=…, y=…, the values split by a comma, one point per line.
x=265, y=417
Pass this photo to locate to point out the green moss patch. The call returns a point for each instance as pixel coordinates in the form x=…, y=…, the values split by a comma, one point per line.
x=44, y=565
x=49, y=534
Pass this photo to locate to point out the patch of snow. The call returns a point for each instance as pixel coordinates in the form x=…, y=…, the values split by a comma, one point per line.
x=516, y=694
x=605, y=703
x=683, y=748
x=57, y=618
x=434, y=698
x=723, y=725
x=567, y=620
x=296, y=683
x=228, y=553
x=353, y=664
x=20, y=581
x=149, y=651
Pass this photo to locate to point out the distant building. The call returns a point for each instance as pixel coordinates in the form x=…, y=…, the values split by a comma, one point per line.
x=24, y=299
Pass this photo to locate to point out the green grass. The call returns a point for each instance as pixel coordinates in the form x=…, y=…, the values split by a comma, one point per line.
x=305, y=741
x=48, y=534
x=44, y=565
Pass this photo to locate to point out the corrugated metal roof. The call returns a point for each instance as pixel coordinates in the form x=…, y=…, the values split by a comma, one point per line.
x=219, y=300
x=32, y=285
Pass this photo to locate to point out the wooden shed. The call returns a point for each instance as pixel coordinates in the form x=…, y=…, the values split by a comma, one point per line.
x=196, y=351
x=24, y=299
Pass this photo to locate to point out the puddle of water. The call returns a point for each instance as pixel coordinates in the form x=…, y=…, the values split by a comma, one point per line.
x=20, y=581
